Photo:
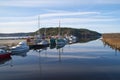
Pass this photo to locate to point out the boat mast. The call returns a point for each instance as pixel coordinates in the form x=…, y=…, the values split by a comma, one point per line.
x=39, y=26
x=59, y=29
x=45, y=32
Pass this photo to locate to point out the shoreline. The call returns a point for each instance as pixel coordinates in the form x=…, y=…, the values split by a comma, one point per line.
x=10, y=42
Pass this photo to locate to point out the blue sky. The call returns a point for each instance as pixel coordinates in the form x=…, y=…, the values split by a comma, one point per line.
x=22, y=15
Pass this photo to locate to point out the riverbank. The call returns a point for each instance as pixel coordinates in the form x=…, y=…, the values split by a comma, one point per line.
x=112, y=40
x=10, y=42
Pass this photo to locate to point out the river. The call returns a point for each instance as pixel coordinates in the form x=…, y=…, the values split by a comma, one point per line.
x=80, y=61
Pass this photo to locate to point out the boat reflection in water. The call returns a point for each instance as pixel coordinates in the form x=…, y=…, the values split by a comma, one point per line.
x=22, y=54
x=60, y=51
x=4, y=62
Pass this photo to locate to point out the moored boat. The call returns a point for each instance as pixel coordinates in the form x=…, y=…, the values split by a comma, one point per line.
x=21, y=47
x=4, y=54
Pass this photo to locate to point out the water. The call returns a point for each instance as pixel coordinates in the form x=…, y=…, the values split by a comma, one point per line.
x=81, y=61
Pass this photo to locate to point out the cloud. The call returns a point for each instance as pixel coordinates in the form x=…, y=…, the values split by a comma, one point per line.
x=50, y=15
x=11, y=27
x=69, y=14
x=87, y=20
x=51, y=3
x=30, y=26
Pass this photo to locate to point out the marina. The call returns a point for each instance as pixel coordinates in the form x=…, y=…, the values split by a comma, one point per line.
x=81, y=61
x=59, y=40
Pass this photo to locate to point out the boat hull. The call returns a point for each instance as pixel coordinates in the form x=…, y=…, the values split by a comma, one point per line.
x=4, y=56
x=40, y=46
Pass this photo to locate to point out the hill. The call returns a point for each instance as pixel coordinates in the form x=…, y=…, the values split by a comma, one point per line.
x=79, y=33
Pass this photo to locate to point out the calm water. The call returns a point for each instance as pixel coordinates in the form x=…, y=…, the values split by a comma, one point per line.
x=80, y=61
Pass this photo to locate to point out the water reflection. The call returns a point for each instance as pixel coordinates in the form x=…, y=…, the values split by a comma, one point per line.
x=60, y=51
x=81, y=61
x=87, y=39
x=22, y=54
x=52, y=46
x=3, y=62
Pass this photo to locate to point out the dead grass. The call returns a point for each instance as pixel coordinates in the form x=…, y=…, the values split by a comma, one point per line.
x=10, y=42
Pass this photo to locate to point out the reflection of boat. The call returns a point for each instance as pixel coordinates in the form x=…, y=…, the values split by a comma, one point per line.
x=38, y=46
x=4, y=54
x=21, y=47
x=52, y=46
x=22, y=54
x=60, y=46
x=3, y=61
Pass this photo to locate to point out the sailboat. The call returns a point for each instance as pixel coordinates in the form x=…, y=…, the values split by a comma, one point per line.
x=60, y=41
x=38, y=42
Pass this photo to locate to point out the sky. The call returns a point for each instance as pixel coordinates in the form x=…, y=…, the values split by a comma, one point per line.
x=17, y=16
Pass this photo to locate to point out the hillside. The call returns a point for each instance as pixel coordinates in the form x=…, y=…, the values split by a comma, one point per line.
x=80, y=33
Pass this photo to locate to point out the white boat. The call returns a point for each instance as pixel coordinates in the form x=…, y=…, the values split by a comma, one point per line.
x=72, y=39
x=21, y=47
x=44, y=43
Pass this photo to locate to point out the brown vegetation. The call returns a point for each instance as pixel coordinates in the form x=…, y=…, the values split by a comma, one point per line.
x=9, y=42
x=113, y=40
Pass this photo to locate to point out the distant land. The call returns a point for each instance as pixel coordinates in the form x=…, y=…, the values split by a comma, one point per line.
x=69, y=31
x=54, y=31
x=14, y=34
x=111, y=35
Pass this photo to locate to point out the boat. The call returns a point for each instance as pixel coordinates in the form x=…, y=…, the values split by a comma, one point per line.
x=4, y=54
x=21, y=47
x=52, y=43
x=72, y=39
x=44, y=43
x=39, y=41
x=60, y=40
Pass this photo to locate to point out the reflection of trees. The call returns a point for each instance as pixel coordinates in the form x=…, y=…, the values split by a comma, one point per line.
x=87, y=39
